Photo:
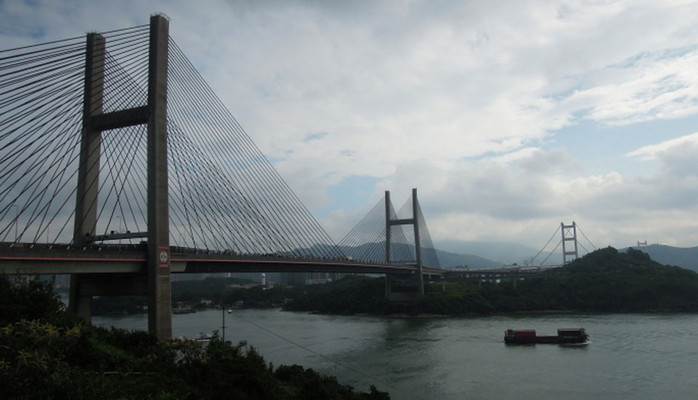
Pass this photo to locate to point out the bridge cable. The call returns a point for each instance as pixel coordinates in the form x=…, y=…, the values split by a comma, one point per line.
x=551, y=253
x=546, y=245
x=263, y=186
x=265, y=177
x=587, y=239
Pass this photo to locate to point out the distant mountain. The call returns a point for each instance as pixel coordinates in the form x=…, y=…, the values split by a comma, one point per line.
x=447, y=260
x=685, y=257
x=450, y=260
x=498, y=252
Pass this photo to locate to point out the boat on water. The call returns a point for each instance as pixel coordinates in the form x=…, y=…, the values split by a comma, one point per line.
x=566, y=336
x=204, y=337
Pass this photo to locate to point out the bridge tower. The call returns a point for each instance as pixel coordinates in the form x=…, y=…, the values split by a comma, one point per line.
x=569, y=234
x=155, y=281
x=414, y=221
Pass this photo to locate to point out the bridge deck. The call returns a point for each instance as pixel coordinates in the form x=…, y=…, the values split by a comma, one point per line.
x=44, y=259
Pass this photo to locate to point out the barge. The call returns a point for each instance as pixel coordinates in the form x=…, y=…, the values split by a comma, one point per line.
x=529, y=336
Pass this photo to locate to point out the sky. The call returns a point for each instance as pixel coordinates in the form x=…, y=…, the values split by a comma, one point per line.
x=509, y=117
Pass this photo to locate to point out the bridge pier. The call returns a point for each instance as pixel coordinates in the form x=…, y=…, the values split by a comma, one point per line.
x=85, y=286
x=80, y=304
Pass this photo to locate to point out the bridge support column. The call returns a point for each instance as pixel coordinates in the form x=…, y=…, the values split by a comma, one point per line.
x=88, y=168
x=417, y=242
x=159, y=285
x=80, y=303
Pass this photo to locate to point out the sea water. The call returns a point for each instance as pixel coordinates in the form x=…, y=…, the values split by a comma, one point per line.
x=631, y=356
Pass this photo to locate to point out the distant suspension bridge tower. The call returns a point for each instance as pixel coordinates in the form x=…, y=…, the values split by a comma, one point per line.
x=569, y=242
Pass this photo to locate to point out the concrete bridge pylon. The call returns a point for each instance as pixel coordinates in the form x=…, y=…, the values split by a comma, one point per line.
x=155, y=281
x=414, y=221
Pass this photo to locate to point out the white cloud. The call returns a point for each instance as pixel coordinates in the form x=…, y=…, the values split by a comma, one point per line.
x=651, y=152
x=465, y=100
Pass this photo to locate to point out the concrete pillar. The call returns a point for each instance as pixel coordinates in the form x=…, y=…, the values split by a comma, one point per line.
x=88, y=168
x=388, y=226
x=417, y=243
x=387, y=242
x=159, y=287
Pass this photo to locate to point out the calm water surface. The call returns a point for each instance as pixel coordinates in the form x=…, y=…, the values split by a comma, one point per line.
x=632, y=356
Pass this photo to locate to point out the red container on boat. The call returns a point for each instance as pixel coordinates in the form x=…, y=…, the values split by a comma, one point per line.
x=525, y=333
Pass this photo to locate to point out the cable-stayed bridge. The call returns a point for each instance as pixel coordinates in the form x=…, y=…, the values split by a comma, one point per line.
x=120, y=165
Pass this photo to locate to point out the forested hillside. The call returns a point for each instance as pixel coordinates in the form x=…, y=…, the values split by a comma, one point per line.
x=46, y=353
x=603, y=281
x=685, y=257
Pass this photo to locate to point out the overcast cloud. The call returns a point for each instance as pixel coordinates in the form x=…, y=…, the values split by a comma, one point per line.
x=508, y=116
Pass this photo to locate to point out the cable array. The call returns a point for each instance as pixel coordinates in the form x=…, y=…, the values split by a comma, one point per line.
x=405, y=252
x=224, y=193
x=587, y=239
x=365, y=242
x=41, y=104
x=429, y=256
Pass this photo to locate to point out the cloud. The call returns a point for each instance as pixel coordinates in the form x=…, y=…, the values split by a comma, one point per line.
x=654, y=151
x=468, y=101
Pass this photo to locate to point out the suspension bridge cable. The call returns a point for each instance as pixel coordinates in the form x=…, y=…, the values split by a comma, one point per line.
x=587, y=239
x=551, y=253
x=546, y=245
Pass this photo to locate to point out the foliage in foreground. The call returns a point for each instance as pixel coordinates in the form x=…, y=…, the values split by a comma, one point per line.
x=603, y=281
x=53, y=356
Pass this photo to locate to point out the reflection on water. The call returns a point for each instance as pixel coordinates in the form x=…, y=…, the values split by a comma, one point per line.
x=633, y=356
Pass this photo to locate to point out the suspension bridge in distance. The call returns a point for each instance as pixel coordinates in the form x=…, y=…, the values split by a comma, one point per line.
x=570, y=252
x=120, y=166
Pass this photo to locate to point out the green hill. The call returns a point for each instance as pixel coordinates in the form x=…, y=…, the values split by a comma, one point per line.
x=608, y=280
x=685, y=257
x=603, y=281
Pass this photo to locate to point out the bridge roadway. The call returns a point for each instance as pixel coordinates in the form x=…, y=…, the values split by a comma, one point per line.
x=31, y=259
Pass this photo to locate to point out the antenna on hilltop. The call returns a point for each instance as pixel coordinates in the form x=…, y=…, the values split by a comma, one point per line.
x=639, y=243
